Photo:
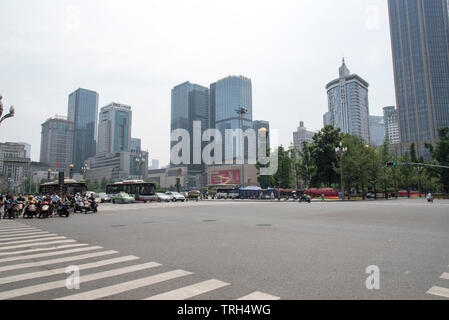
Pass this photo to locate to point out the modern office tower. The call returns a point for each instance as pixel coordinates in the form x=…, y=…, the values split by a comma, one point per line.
x=154, y=164
x=232, y=93
x=14, y=166
x=326, y=120
x=391, y=125
x=136, y=144
x=114, y=129
x=57, y=144
x=302, y=135
x=83, y=112
x=263, y=125
x=189, y=104
x=348, y=103
x=377, y=130
x=420, y=44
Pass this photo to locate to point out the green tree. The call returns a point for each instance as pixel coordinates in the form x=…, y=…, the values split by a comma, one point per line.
x=283, y=177
x=307, y=166
x=324, y=156
x=440, y=153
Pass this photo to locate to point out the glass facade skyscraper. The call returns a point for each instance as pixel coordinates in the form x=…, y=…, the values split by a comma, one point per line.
x=189, y=103
x=232, y=93
x=420, y=44
x=114, y=129
x=83, y=112
x=348, y=104
x=57, y=143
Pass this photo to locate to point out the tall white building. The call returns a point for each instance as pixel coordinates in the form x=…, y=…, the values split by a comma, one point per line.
x=302, y=135
x=377, y=130
x=391, y=125
x=348, y=103
x=114, y=129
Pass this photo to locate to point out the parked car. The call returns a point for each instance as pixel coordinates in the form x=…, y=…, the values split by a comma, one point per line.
x=104, y=197
x=175, y=196
x=122, y=197
x=162, y=197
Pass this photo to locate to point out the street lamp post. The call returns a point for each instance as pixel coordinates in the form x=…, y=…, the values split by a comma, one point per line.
x=8, y=115
x=341, y=151
x=241, y=112
x=85, y=168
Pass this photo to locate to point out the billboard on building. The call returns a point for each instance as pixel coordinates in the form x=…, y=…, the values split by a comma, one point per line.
x=226, y=177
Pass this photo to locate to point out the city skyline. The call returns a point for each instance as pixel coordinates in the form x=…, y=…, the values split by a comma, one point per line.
x=287, y=84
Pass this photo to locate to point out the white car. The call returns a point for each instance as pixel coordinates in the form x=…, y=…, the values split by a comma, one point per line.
x=162, y=197
x=175, y=196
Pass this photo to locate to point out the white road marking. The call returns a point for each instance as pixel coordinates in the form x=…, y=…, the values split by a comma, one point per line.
x=438, y=291
x=16, y=229
x=23, y=234
x=55, y=261
x=190, y=291
x=49, y=254
x=259, y=296
x=13, y=253
x=31, y=241
x=28, y=237
x=85, y=278
x=445, y=276
x=52, y=272
x=127, y=286
x=20, y=232
x=37, y=244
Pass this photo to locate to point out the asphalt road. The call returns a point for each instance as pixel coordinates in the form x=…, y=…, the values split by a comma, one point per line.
x=231, y=249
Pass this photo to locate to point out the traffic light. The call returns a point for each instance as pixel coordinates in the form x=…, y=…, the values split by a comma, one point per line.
x=392, y=164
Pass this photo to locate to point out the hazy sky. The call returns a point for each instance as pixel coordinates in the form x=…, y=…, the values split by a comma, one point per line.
x=134, y=52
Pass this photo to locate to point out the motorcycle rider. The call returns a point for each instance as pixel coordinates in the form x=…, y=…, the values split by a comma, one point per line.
x=9, y=205
x=429, y=197
x=92, y=201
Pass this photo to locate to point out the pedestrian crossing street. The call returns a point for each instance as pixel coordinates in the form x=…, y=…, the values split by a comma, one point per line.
x=33, y=265
x=441, y=291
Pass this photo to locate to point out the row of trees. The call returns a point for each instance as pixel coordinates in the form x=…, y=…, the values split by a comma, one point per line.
x=365, y=167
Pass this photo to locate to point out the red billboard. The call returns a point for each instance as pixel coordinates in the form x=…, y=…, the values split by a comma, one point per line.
x=226, y=177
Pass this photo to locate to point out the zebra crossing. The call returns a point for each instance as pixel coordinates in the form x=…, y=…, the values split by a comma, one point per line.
x=34, y=262
x=140, y=206
x=441, y=291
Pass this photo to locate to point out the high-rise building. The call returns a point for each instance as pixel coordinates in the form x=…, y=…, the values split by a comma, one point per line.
x=232, y=93
x=326, y=120
x=57, y=143
x=189, y=104
x=154, y=164
x=83, y=112
x=13, y=166
x=391, y=125
x=114, y=129
x=136, y=144
x=302, y=135
x=348, y=103
x=377, y=130
x=420, y=44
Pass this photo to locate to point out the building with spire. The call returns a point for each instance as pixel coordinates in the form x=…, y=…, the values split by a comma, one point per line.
x=348, y=103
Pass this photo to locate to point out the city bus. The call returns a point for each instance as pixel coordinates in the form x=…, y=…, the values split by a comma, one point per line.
x=69, y=187
x=140, y=190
